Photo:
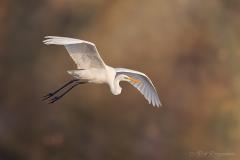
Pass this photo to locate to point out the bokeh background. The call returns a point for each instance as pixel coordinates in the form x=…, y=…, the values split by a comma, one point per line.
x=190, y=49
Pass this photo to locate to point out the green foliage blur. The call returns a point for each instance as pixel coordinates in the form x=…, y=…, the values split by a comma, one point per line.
x=190, y=49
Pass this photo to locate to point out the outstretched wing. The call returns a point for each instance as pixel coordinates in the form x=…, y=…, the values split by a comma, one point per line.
x=83, y=53
x=144, y=85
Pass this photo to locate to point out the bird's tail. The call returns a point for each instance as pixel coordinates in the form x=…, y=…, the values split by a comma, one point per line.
x=79, y=74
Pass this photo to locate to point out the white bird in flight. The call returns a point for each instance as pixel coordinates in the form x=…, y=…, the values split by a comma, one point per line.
x=92, y=69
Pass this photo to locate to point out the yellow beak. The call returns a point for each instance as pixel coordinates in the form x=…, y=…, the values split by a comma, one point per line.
x=134, y=80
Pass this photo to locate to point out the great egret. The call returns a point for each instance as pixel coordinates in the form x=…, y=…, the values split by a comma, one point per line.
x=92, y=69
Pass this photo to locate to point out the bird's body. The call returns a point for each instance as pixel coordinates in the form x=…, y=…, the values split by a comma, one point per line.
x=92, y=69
x=93, y=75
x=97, y=75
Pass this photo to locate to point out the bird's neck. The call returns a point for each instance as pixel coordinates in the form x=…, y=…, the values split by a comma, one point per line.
x=115, y=87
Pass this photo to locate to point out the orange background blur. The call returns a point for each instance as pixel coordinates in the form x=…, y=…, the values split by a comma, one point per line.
x=190, y=50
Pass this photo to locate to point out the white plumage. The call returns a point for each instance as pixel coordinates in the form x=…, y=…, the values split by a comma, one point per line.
x=92, y=69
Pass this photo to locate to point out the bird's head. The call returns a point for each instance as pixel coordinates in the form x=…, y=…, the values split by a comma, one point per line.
x=116, y=90
x=124, y=77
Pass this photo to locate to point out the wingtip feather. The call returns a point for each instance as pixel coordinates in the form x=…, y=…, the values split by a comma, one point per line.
x=63, y=40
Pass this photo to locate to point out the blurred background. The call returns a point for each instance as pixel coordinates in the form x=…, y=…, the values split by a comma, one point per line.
x=190, y=49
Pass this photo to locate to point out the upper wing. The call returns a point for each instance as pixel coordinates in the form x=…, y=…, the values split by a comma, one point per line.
x=83, y=53
x=145, y=86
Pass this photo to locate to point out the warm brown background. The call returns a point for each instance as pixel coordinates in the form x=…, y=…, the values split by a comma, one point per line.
x=189, y=48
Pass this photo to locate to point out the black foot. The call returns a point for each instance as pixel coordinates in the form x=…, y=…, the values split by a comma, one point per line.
x=47, y=96
x=54, y=99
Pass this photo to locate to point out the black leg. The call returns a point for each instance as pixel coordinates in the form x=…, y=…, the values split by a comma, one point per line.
x=53, y=93
x=54, y=99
